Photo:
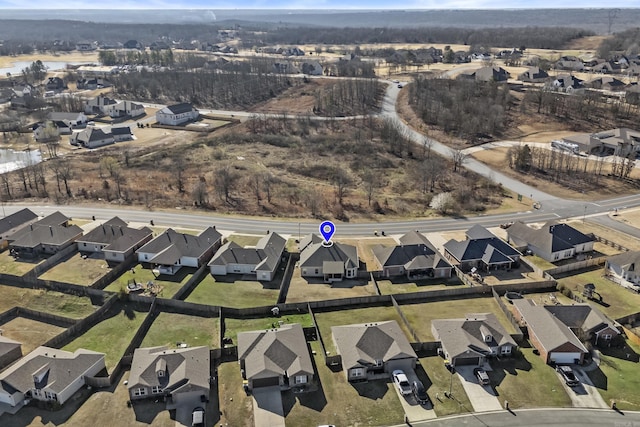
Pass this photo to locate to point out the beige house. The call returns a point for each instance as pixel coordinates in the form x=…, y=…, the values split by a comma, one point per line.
x=333, y=262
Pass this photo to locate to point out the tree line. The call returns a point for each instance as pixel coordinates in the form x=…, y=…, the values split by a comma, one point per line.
x=622, y=43
x=348, y=98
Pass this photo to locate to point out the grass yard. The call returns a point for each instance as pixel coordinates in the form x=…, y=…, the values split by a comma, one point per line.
x=112, y=335
x=46, y=301
x=439, y=382
x=168, y=285
x=614, y=235
x=235, y=326
x=364, y=248
x=170, y=328
x=527, y=371
x=30, y=333
x=618, y=378
x=235, y=405
x=8, y=265
x=351, y=317
x=236, y=294
x=421, y=315
x=78, y=270
x=302, y=290
x=338, y=402
x=388, y=287
x=244, y=239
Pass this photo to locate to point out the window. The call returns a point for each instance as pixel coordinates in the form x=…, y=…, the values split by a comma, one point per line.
x=301, y=379
x=84, y=244
x=50, y=396
x=140, y=392
x=357, y=372
x=505, y=350
x=556, y=257
x=145, y=257
x=607, y=336
x=161, y=373
x=317, y=271
x=156, y=389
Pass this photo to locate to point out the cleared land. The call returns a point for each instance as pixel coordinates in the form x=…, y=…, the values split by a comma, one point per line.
x=227, y=292
x=164, y=285
x=172, y=328
x=439, y=381
x=30, y=333
x=234, y=326
x=78, y=270
x=58, y=303
x=617, y=378
x=314, y=289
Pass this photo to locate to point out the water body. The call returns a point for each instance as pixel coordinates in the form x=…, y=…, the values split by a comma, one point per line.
x=21, y=65
x=11, y=160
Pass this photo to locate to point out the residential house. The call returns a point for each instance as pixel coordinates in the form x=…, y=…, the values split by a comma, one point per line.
x=623, y=142
x=121, y=133
x=115, y=239
x=569, y=63
x=555, y=342
x=333, y=262
x=586, y=322
x=607, y=67
x=178, y=114
x=74, y=119
x=92, y=83
x=372, y=351
x=92, y=137
x=470, y=341
x=55, y=83
x=124, y=109
x=49, y=375
x=159, y=45
x=567, y=83
x=86, y=46
x=632, y=94
x=51, y=130
x=492, y=74
x=10, y=224
x=276, y=358
x=171, y=250
x=6, y=94
x=10, y=351
x=179, y=376
x=606, y=83
x=132, y=44
x=48, y=235
x=261, y=260
x=414, y=258
x=312, y=68
x=625, y=266
x=481, y=250
x=99, y=105
x=553, y=242
x=533, y=75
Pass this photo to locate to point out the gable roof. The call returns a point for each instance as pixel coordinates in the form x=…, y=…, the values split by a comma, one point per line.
x=626, y=260
x=121, y=130
x=481, y=244
x=581, y=316
x=366, y=343
x=54, y=235
x=315, y=254
x=11, y=223
x=551, y=237
x=265, y=256
x=177, y=108
x=7, y=345
x=170, y=246
x=273, y=352
x=90, y=134
x=116, y=234
x=414, y=252
x=64, y=116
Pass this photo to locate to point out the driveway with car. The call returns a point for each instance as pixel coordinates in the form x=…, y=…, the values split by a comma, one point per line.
x=585, y=394
x=482, y=398
x=413, y=410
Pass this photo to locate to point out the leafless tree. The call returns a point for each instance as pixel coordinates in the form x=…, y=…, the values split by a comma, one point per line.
x=458, y=157
x=342, y=181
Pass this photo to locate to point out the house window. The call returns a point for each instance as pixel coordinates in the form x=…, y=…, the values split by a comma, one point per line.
x=317, y=271
x=357, y=372
x=301, y=379
x=145, y=257
x=84, y=244
x=607, y=336
x=161, y=373
x=379, y=363
x=556, y=257
x=505, y=350
x=50, y=396
x=140, y=391
x=156, y=389
x=567, y=254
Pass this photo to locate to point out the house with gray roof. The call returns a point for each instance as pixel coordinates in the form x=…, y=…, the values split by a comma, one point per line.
x=75, y=119
x=482, y=250
x=623, y=142
x=470, y=341
x=533, y=75
x=586, y=322
x=92, y=137
x=99, y=105
x=171, y=250
x=49, y=375
x=10, y=224
x=177, y=375
x=415, y=258
x=333, y=262
x=176, y=115
x=48, y=235
x=114, y=239
x=625, y=266
x=276, y=357
x=567, y=83
x=552, y=242
x=10, y=351
x=371, y=351
x=261, y=260
x=555, y=342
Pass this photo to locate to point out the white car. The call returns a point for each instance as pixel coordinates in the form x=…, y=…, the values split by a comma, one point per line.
x=401, y=381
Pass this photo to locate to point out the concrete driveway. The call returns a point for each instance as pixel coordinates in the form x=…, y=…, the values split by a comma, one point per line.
x=584, y=395
x=482, y=398
x=267, y=407
x=413, y=410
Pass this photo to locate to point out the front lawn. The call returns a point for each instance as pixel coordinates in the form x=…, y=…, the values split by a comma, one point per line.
x=440, y=380
x=227, y=292
x=165, y=285
x=78, y=270
x=235, y=326
x=170, y=328
x=618, y=377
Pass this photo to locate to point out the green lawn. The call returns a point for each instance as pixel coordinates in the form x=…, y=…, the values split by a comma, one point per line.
x=8, y=265
x=235, y=405
x=46, y=301
x=237, y=294
x=387, y=287
x=169, y=285
x=244, y=240
x=527, y=371
x=77, y=270
x=170, y=328
x=355, y=316
x=235, y=326
x=439, y=380
x=111, y=336
x=338, y=402
x=619, y=376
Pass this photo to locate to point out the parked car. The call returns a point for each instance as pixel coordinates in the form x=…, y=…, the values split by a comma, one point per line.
x=419, y=392
x=481, y=375
x=402, y=382
x=568, y=375
x=197, y=417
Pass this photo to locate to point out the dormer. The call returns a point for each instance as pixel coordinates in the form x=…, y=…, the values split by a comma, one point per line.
x=39, y=377
x=486, y=334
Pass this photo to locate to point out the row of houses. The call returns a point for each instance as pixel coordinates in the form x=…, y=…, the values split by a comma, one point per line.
x=623, y=142
x=624, y=64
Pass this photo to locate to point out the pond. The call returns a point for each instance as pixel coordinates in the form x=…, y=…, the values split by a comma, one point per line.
x=11, y=160
x=18, y=66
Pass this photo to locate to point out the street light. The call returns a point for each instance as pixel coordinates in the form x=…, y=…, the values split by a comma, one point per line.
x=585, y=213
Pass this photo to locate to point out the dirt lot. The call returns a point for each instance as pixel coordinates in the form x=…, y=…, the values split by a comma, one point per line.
x=7, y=61
x=30, y=333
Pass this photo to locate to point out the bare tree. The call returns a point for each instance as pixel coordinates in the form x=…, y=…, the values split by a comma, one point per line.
x=199, y=192
x=458, y=157
x=268, y=181
x=342, y=181
x=372, y=181
x=225, y=180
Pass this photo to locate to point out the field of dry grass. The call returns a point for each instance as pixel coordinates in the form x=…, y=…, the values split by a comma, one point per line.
x=30, y=333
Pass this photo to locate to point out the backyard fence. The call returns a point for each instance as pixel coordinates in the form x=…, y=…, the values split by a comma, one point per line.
x=114, y=273
x=191, y=284
x=286, y=278
x=52, y=260
x=576, y=266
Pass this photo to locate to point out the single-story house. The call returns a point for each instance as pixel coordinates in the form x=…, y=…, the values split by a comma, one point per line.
x=586, y=322
x=171, y=250
x=10, y=351
x=51, y=130
x=276, y=357
x=621, y=141
x=482, y=250
x=47, y=235
x=533, y=75
x=75, y=119
x=569, y=65
x=555, y=342
x=92, y=84
x=567, y=83
x=261, y=260
x=177, y=375
x=92, y=137
x=178, y=114
x=12, y=223
x=414, y=258
x=49, y=375
x=554, y=241
x=372, y=351
x=115, y=239
x=312, y=68
x=121, y=133
x=625, y=266
x=606, y=83
x=332, y=262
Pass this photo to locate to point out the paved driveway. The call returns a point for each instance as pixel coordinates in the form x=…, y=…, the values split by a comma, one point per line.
x=267, y=407
x=412, y=409
x=482, y=398
x=585, y=395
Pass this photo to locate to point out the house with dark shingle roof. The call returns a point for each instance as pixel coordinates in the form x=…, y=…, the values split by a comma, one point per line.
x=115, y=239
x=171, y=250
x=470, y=341
x=276, y=357
x=533, y=75
x=414, y=258
x=92, y=137
x=178, y=375
x=586, y=322
x=261, y=260
x=178, y=114
x=10, y=351
x=333, y=262
x=482, y=250
x=372, y=351
x=10, y=224
x=625, y=266
x=554, y=241
x=49, y=235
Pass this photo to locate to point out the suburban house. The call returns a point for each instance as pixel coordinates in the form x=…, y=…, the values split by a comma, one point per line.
x=623, y=142
x=124, y=109
x=371, y=351
x=49, y=235
x=471, y=340
x=312, y=68
x=121, y=133
x=567, y=83
x=482, y=250
x=261, y=260
x=49, y=375
x=625, y=266
x=171, y=250
x=10, y=351
x=74, y=119
x=586, y=322
x=606, y=83
x=51, y=130
x=178, y=114
x=555, y=342
x=569, y=63
x=331, y=262
x=92, y=137
x=486, y=74
x=92, y=83
x=533, y=75
x=415, y=257
x=552, y=242
x=178, y=375
x=86, y=46
x=12, y=223
x=99, y=105
x=276, y=357
x=55, y=83
x=115, y=239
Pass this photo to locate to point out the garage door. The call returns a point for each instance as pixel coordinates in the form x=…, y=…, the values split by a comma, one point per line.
x=564, y=357
x=266, y=382
x=467, y=361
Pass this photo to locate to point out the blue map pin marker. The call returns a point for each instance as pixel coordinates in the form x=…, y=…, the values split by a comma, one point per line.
x=327, y=229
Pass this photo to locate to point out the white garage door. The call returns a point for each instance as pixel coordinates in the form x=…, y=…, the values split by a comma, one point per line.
x=564, y=358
